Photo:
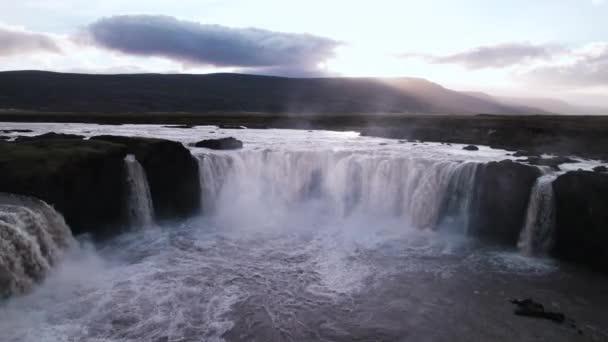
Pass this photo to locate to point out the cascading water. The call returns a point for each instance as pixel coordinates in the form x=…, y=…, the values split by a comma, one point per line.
x=266, y=187
x=139, y=206
x=536, y=235
x=33, y=238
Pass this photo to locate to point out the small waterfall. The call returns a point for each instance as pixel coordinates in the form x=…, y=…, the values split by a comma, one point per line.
x=33, y=238
x=272, y=186
x=536, y=235
x=457, y=205
x=141, y=211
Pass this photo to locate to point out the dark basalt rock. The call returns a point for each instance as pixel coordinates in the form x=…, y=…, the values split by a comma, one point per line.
x=229, y=126
x=600, y=168
x=581, y=230
x=16, y=131
x=530, y=308
x=229, y=143
x=172, y=174
x=553, y=162
x=524, y=153
x=50, y=136
x=84, y=180
x=179, y=126
x=502, y=192
x=471, y=148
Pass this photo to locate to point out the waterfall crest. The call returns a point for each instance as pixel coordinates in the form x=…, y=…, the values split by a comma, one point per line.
x=271, y=186
x=33, y=238
x=536, y=235
x=139, y=206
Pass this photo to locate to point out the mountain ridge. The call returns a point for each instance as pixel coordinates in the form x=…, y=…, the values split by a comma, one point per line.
x=73, y=92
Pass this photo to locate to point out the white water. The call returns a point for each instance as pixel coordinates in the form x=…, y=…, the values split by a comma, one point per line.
x=33, y=238
x=310, y=236
x=270, y=188
x=139, y=206
x=536, y=235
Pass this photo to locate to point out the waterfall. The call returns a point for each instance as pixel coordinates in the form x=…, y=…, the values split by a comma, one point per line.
x=271, y=187
x=33, y=238
x=536, y=235
x=139, y=206
x=458, y=200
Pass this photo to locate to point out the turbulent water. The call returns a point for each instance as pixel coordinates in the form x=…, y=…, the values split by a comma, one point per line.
x=270, y=187
x=139, y=206
x=536, y=235
x=33, y=238
x=308, y=236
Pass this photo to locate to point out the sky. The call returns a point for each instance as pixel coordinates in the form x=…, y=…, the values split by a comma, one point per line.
x=522, y=48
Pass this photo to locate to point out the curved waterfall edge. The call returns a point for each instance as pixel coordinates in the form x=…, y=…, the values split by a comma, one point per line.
x=33, y=238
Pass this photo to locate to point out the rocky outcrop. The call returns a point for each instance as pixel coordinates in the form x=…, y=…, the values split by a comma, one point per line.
x=471, y=148
x=84, y=180
x=172, y=174
x=50, y=136
x=499, y=207
x=229, y=143
x=581, y=232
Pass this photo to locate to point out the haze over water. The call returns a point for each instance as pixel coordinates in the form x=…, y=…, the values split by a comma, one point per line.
x=305, y=236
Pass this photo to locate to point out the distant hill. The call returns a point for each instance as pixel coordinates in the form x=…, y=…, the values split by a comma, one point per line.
x=48, y=91
x=547, y=105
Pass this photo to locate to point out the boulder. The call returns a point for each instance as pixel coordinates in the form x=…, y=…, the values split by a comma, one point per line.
x=84, y=180
x=581, y=228
x=502, y=191
x=524, y=153
x=600, y=168
x=229, y=126
x=471, y=148
x=172, y=174
x=179, y=126
x=229, y=143
x=50, y=136
x=553, y=162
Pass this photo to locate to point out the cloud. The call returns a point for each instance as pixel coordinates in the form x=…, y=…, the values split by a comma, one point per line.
x=496, y=56
x=16, y=42
x=586, y=67
x=215, y=45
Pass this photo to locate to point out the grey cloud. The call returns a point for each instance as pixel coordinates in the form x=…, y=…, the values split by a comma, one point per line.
x=496, y=56
x=19, y=42
x=587, y=71
x=194, y=43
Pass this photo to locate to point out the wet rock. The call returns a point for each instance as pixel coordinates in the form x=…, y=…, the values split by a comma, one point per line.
x=600, y=168
x=553, y=162
x=16, y=131
x=229, y=143
x=180, y=126
x=530, y=308
x=471, y=148
x=229, y=126
x=50, y=136
x=524, y=153
x=581, y=227
x=172, y=174
x=502, y=191
x=82, y=179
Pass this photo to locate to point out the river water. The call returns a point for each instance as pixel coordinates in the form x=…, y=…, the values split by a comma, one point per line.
x=308, y=236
